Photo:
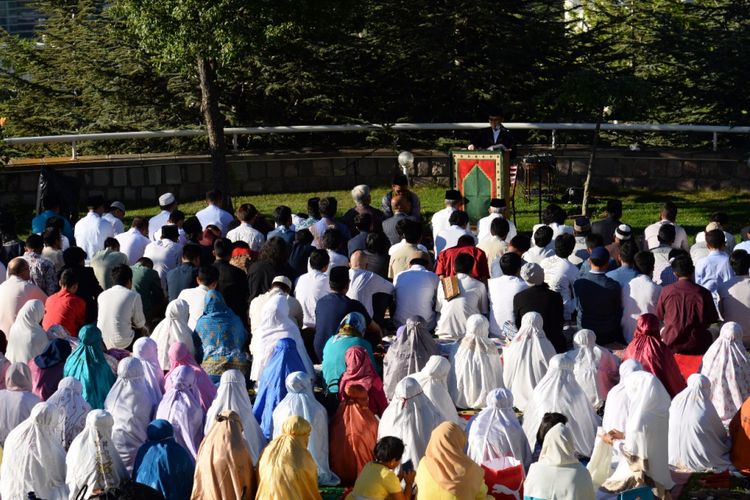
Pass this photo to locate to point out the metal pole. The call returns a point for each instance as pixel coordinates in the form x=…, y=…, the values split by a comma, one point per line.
x=554, y=138
x=73, y=151
x=235, y=143
x=716, y=141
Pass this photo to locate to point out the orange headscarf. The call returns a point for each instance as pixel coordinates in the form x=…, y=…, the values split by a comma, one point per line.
x=739, y=431
x=449, y=465
x=224, y=468
x=353, y=434
x=286, y=469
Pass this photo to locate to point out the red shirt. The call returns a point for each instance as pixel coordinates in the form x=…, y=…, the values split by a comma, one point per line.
x=66, y=309
x=446, y=259
x=687, y=311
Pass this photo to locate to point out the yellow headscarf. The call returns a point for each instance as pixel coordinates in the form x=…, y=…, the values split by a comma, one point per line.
x=449, y=465
x=286, y=469
x=224, y=468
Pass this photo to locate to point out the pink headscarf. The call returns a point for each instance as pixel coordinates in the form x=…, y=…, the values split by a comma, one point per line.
x=179, y=355
x=359, y=370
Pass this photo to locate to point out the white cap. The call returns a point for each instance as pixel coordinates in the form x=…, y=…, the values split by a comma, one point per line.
x=118, y=205
x=283, y=279
x=166, y=199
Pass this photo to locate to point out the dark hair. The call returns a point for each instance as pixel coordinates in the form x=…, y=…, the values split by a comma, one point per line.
x=628, y=249
x=192, y=227
x=73, y=256
x=388, y=448
x=463, y=263
x=377, y=243
x=521, y=242
x=94, y=202
x=363, y=222
x=56, y=222
x=553, y=213
x=51, y=235
x=303, y=237
x=328, y=207
x=594, y=240
x=499, y=227
x=644, y=263
x=511, y=263
x=139, y=223
x=669, y=211
x=716, y=239
x=282, y=214
x=400, y=180
x=208, y=275
x=614, y=207
x=333, y=239
x=170, y=231
x=112, y=244
x=50, y=202
x=549, y=420
x=145, y=262
x=667, y=234
x=176, y=216
x=121, y=274
x=599, y=262
x=191, y=251
x=35, y=242
x=214, y=195
x=68, y=278
x=412, y=231
x=720, y=217
x=682, y=266
x=319, y=259
x=740, y=262
x=543, y=236
x=246, y=212
x=677, y=252
x=338, y=279
x=564, y=245
x=458, y=218
x=313, y=207
x=223, y=248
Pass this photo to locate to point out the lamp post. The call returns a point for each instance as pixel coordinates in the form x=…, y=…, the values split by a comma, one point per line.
x=406, y=160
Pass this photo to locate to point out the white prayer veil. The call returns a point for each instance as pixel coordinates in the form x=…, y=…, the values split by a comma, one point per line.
x=526, y=359
x=232, y=395
x=697, y=439
x=727, y=367
x=477, y=365
x=559, y=392
x=146, y=350
x=496, y=432
x=300, y=402
x=172, y=329
x=34, y=459
x=408, y=354
x=595, y=368
x=16, y=400
x=26, y=338
x=411, y=417
x=69, y=398
x=616, y=407
x=434, y=381
x=93, y=462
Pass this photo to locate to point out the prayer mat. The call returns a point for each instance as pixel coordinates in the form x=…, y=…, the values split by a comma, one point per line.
x=688, y=364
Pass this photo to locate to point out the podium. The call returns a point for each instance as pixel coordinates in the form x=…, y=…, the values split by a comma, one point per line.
x=480, y=175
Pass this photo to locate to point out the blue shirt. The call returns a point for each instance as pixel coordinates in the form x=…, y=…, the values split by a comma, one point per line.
x=329, y=312
x=180, y=278
x=284, y=233
x=623, y=274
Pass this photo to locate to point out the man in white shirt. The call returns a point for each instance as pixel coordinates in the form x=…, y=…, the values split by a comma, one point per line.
x=448, y=238
x=16, y=291
x=246, y=214
x=542, y=246
x=134, y=241
x=415, y=292
x=176, y=218
x=91, y=231
x=640, y=295
x=313, y=286
x=734, y=295
x=472, y=299
x=214, y=214
x=165, y=253
x=208, y=278
x=719, y=220
x=560, y=274
x=453, y=201
x=668, y=215
x=167, y=203
x=120, y=310
x=714, y=269
x=333, y=240
x=363, y=284
x=497, y=210
x=501, y=291
x=497, y=243
x=114, y=216
x=281, y=285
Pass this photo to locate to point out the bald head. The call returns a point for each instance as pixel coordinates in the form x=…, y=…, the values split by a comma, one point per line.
x=19, y=267
x=358, y=260
x=400, y=204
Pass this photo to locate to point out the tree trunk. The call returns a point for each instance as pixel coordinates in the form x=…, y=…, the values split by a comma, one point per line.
x=214, y=121
x=592, y=158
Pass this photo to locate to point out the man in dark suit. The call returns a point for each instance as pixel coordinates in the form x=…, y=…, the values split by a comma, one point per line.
x=598, y=300
x=495, y=135
x=606, y=227
x=401, y=208
x=540, y=299
x=232, y=280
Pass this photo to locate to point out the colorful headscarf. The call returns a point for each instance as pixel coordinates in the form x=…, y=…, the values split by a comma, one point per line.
x=88, y=366
x=179, y=355
x=354, y=433
x=352, y=324
x=163, y=464
x=360, y=371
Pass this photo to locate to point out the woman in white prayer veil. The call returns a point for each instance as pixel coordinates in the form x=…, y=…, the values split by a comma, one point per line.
x=131, y=407
x=558, y=474
x=616, y=407
x=644, y=443
x=727, y=367
x=496, y=432
x=146, y=351
x=595, y=368
x=69, y=398
x=526, y=359
x=477, y=365
x=411, y=417
x=434, y=381
x=34, y=459
x=275, y=324
x=559, y=392
x=300, y=402
x=27, y=339
x=232, y=395
x=93, y=462
x=172, y=329
x=16, y=400
x=408, y=354
x=698, y=441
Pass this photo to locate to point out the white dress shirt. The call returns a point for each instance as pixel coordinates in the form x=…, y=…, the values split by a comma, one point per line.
x=256, y=308
x=501, y=292
x=440, y=221
x=559, y=274
x=734, y=303
x=448, y=238
x=454, y=313
x=364, y=284
x=247, y=233
x=403, y=243
x=414, y=295
x=196, y=299
x=156, y=222
x=216, y=216
x=181, y=236
x=483, y=228
x=116, y=223
x=310, y=288
x=661, y=262
x=132, y=244
x=537, y=254
x=91, y=232
x=335, y=259
x=639, y=296
x=712, y=271
x=580, y=252
x=166, y=255
x=120, y=310
x=651, y=235
x=14, y=293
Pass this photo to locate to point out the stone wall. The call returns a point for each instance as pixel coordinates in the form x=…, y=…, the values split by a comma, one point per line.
x=139, y=179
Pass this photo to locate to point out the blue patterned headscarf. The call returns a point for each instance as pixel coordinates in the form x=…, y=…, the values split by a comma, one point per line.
x=353, y=324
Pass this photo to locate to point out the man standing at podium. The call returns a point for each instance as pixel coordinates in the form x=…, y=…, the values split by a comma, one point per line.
x=496, y=136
